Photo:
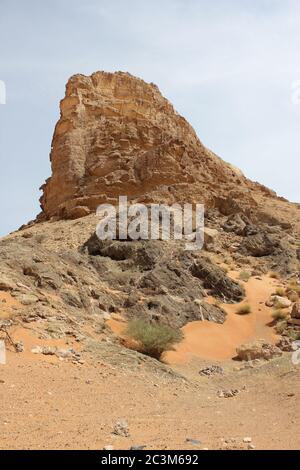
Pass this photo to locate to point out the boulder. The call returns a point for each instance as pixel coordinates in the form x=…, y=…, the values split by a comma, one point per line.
x=296, y=310
x=258, y=245
x=285, y=344
x=6, y=284
x=294, y=321
x=27, y=299
x=234, y=223
x=211, y=237
x=278, y=302
x=259, y=349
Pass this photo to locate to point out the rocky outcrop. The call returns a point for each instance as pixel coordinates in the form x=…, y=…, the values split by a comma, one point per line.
x=159, y=280
x=259, y=349
x=144, y=279
x=216, y=280
x=259, y=245
x=117, y=135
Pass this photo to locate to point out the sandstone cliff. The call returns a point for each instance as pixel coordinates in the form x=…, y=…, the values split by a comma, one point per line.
x=117, y=135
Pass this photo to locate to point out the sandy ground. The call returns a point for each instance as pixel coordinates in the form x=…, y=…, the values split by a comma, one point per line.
x=51, y=404
x=213, y=341
x=65, y=406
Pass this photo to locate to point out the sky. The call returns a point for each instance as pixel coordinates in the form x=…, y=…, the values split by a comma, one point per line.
x=230, y=67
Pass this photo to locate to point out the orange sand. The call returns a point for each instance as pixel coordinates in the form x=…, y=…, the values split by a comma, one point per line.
x=213, y=341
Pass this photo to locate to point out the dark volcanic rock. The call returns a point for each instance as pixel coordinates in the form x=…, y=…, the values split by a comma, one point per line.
x=259, y=245
x=215, y=279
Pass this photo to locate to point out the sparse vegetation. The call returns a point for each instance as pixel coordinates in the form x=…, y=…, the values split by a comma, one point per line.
x=281, y=327
x=244, y=276
x=280, y=291
x=293, y=296
x=244, y=309
x=293, y=287
x=274, y=275
x=279, y=314
x=153, y=339
x=293, y=334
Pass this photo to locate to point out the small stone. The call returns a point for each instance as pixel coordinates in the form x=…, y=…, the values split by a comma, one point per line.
x=37, y=350
x=19, y=347
x=228, y=393
x=251, y=447
x=106, y=316
x=193, y=442
x=6, y=284
x=64, y=353
x=108, y=448
x=121, y=428
x=247, y=439
x=48, y=350
x=211, y=370
x=142, y=447
x=28, y=299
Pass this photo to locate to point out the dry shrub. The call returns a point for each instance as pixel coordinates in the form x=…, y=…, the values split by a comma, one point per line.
x=244, y=309
x=153, y=339
x=244, y=276
x=279, y=314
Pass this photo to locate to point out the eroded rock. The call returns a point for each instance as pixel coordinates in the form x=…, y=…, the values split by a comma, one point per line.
x=257, y=350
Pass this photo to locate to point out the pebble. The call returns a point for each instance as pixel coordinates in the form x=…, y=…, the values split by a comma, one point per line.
x=121, y=428
x=228, y=393
x=193, y=442
x=211, y=370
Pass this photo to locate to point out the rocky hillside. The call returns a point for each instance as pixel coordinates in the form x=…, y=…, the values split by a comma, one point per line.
x=116, y=136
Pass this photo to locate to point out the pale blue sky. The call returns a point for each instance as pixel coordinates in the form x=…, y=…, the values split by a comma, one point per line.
x=226, y=65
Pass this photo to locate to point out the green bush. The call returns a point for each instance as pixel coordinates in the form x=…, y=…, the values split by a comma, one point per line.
x=153, y=339
x=244, y=309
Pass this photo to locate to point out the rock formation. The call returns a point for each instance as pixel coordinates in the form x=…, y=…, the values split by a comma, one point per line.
x=117, y=135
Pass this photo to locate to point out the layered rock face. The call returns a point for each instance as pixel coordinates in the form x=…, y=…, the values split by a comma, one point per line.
x=117, y=135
